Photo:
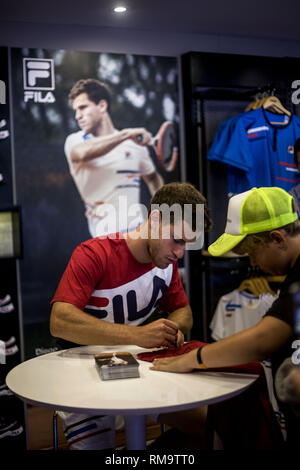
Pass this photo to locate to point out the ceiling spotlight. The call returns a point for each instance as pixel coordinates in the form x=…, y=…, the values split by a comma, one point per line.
x=120, y=9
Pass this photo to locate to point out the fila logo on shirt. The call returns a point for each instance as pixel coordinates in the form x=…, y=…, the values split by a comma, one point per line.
x=38, y=80
x=131, y=302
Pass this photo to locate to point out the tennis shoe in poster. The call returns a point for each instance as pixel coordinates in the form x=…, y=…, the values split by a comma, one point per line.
x=5, y=300
x=6, y=305
x=4, y=134
x=11, y=346
x=4, y=390
x=9, y=428
x=7, y=308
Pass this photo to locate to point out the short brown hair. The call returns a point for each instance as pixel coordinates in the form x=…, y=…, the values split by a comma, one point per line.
x=182, y=194
x=253, y=241
x=95, y=90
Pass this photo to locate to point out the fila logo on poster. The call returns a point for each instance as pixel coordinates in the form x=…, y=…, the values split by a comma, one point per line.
x=39, y=80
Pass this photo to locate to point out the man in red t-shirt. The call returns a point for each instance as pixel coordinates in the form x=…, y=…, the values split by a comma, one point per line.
x=113, y=284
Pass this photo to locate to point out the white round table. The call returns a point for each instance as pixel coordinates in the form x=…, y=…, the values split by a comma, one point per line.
x=69, y=380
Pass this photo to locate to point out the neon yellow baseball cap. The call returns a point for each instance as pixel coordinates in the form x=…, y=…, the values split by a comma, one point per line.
x=254, y=211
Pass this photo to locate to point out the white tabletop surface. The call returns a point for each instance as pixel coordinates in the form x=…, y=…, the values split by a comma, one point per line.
x=69, y=380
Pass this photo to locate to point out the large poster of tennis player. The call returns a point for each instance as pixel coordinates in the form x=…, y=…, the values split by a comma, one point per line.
x=95, y=134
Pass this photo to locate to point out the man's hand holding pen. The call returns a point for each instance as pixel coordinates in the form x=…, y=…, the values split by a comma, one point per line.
x=160, y=333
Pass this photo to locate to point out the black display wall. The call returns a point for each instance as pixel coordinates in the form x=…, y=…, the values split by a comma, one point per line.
x=12, y=428
x=217, y=87
x=144, y=94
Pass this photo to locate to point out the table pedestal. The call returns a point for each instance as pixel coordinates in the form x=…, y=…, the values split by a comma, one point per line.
x=135, y=432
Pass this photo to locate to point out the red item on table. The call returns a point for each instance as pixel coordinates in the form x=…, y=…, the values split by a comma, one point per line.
x=251, y=368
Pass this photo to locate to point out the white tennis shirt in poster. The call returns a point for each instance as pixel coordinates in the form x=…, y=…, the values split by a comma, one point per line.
x=111, y=183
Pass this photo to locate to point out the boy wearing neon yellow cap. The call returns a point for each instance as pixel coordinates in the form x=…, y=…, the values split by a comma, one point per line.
x=263, y=223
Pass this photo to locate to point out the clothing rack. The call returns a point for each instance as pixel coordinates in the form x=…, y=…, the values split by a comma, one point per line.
x=237, y=93
x=200, y=94
x=233, y=80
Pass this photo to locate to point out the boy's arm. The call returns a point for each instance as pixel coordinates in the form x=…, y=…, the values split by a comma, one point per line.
x=254, y=344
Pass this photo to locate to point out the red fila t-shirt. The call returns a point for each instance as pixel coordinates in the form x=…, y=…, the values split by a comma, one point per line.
x=105, y=280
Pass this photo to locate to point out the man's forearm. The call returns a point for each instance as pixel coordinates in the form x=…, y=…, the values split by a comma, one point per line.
x=71, y=323
x=97, y=147
x=183, y=317
x=154, y=182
